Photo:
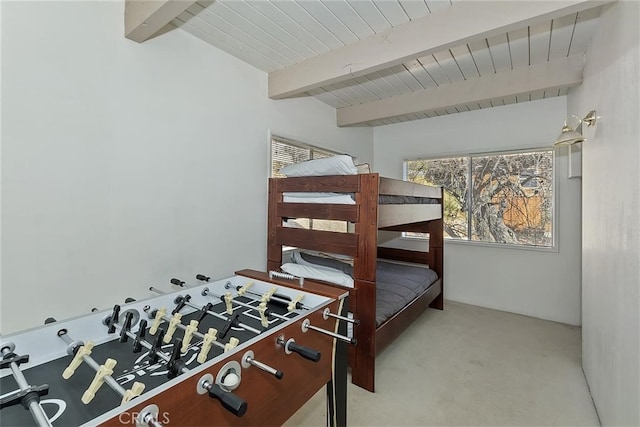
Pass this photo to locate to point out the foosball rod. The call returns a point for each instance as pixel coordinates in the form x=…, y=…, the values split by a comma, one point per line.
x=180, y=326
x=241, y=290
x=273, y=298
x=207, y=292
x=62, y=333
x=162, y=355
x=209, y=312
x=34, y=406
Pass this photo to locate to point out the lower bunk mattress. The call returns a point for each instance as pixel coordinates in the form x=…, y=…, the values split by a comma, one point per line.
x=397, y=284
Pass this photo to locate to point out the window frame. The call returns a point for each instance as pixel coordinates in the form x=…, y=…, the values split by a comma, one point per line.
x=468, y=241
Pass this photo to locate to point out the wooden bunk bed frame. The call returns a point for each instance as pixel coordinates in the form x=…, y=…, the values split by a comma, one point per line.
x=368, y=217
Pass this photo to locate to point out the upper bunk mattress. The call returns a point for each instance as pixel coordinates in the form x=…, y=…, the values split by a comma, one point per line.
x=349, y=199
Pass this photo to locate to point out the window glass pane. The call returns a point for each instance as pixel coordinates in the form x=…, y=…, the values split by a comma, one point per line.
x=452, y=174
x=283, y=154
x=321, y=154
x=512, y=200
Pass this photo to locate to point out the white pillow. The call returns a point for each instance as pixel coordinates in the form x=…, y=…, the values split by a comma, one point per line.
x=336, y=165
x=319, y=273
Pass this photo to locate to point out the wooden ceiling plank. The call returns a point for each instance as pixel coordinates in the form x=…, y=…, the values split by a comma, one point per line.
x=356, y=93
x=539, y=37
x=393, y=79
x=211, y=34
x=499, y=48
x=144, y=18
x=371, y=15
x=408, y=78
x=371, y=87
x=482, y=57
x=384, y=84
x=565, y=72
x=435, y=5
x=328, y=20
x=519, y=47
x=339, y=95
x=435, y=70
x=418, y=38
x=512, y=99
x=462, y=56
x=293, y=11
x=302, y=43
x=420, y=74
x=449, y=65
x=257, y=33
x=414, y=8
x=330, y=99
x=392, y=11
x=226, y=43
x=523, y=98
x=216, y=21
x=561, y=33
x=536, y=95
x=350, y=17
x=363, y=91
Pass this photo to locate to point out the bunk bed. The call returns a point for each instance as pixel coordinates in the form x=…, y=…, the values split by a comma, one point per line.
x=419, y=209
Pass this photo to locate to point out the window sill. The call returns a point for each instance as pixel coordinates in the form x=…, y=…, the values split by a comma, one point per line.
x=552, y=249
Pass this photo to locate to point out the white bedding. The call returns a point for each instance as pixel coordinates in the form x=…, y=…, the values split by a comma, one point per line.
x=337, y=198
x=337, y=165
x=311, y=271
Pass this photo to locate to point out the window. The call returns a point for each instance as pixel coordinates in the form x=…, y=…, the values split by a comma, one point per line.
x=497, y=198
x=285, y=152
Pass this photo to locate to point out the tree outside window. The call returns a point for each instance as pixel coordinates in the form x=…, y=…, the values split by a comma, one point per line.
x=498, y=198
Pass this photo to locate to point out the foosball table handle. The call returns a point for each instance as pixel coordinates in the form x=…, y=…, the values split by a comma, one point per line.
x=306, y=352
x=177, y=282
x=230, y=401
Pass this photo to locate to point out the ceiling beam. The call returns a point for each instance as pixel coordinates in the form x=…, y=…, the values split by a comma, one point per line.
x=449, y=27
x=565, y=72
x=144, y=18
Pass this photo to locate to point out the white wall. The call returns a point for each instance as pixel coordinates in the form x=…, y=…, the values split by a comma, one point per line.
x=610, y=215
x=126, y=164
x=544, y=284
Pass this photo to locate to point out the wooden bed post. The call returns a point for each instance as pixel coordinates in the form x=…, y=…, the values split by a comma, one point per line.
x=436, y=244
x=274, y=250
x=364, y=274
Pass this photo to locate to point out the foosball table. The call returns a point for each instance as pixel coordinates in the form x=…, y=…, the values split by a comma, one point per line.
x=247, y=350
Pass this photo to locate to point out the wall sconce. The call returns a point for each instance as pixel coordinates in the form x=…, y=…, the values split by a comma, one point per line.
x=570, y=134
